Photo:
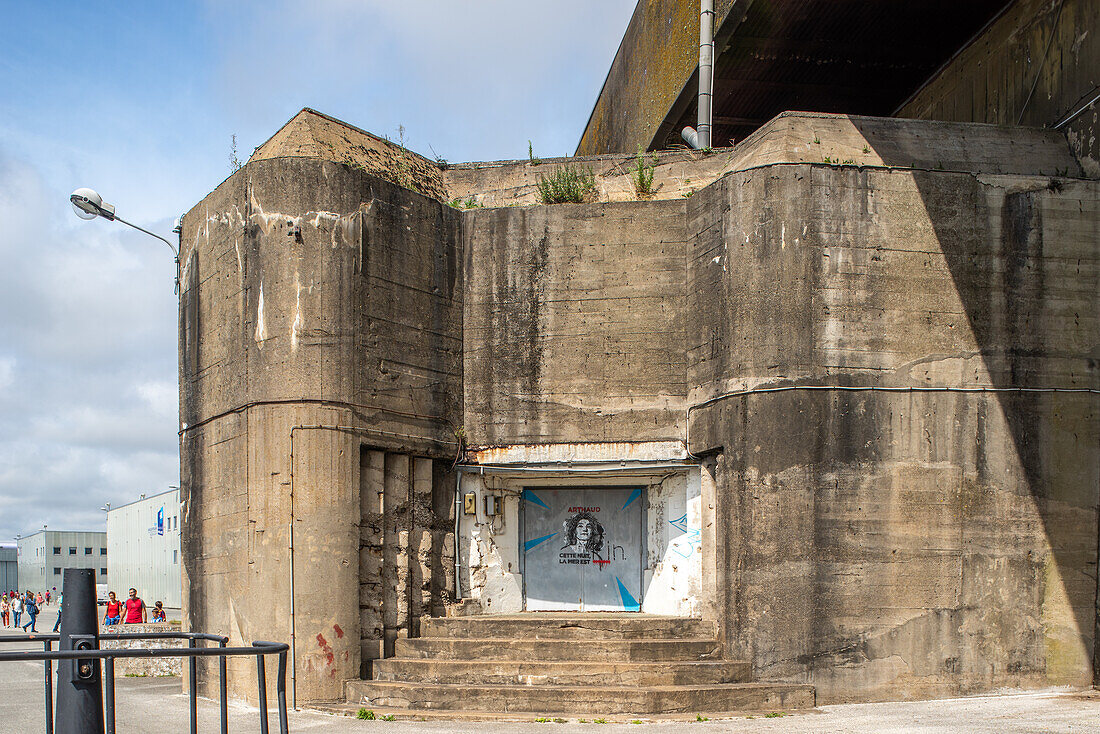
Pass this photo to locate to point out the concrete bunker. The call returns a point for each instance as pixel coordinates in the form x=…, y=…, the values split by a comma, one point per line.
x=867, y=390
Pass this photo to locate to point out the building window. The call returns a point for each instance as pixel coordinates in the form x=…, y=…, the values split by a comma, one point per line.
x=102, y=551
x=175, y=556
x=57, y=550
x=57, y=572
x=72, y=551
x=87, y=551
x=102, y=572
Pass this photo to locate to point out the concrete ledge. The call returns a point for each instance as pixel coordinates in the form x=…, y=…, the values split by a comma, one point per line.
x=585, y=700
x=142, y=667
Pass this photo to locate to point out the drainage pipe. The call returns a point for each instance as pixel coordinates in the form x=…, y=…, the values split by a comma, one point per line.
x=706, y=71
x=458, y=516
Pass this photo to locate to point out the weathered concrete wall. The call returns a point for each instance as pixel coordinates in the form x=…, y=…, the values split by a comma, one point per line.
x=406, y=552
x=1035, y=65
x=142, y=667
x=320, y=313
x=656, y=59
x=895, y=544
x=676, y=175
x=311, y=134
x=674, y=566
x=339, y=333
x=791, y=137
x=574, y=323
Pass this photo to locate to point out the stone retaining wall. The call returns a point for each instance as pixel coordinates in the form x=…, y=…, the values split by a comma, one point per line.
x=140, y=667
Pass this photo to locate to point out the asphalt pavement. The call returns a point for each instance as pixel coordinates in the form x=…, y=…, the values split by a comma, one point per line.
x=158, y=705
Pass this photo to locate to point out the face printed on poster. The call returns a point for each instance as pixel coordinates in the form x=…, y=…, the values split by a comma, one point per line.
x=585, y=538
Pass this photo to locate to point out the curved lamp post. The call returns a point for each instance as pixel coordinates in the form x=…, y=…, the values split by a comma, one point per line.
x=88, y=205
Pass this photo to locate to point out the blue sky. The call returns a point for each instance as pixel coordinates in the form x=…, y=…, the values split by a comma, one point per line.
x=139, y=101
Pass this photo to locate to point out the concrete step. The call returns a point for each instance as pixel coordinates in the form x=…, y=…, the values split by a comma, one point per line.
x=550, y=626
x=586, y=701
x=521, y=649
x=505, y=672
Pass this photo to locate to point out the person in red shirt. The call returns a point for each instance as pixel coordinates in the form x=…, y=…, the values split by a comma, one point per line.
x=114, y=611
x=135, y=609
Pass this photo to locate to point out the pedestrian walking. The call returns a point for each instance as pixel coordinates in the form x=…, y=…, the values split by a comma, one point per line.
x=135, y=609
x=5, y=609
x=60, y=603
x=113, y=615
x=47, y=596
x=158, y=612
x=31, y=609
x=16, y=609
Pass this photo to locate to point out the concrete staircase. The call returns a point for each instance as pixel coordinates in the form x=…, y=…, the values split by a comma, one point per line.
x=580, y=665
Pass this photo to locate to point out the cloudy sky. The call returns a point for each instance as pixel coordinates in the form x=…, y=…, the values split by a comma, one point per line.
x=140, y=100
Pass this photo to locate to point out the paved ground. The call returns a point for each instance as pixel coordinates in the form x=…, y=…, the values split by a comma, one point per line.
x=156, y=704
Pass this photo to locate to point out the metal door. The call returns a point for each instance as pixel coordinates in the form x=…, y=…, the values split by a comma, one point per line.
x=583, y=549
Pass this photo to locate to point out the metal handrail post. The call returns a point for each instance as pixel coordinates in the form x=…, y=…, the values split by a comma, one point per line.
x=224, y=702
x=47, y=646
x=192, y=684
x=109, y=693
x=261, y=679
x=284, y=727
x=86, y=659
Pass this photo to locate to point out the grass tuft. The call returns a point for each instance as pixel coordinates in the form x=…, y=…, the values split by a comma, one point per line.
x=567, y=184
x=642, y=175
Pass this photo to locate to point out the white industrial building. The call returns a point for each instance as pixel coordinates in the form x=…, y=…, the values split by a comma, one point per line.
x=143, y=542
x=9, y=568
x=44, y=555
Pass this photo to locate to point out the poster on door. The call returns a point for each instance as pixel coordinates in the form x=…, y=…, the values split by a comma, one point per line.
x=583, y=549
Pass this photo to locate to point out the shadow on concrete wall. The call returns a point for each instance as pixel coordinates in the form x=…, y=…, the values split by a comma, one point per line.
x=1031, y=302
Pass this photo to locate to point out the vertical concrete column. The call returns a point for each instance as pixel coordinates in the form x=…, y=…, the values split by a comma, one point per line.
x=395, y=540
x=708, y=522
x=443, y=540
x=326, y=560
x=372, y=471
x=728, y=513
x=420, y=544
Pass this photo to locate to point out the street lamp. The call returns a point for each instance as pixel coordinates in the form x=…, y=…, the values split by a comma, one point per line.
x=88, y=205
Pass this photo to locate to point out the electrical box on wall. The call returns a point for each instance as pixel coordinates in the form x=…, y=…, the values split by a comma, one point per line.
x=469, y=503
x=493, y=504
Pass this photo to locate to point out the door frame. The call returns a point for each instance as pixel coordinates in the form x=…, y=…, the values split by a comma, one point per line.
x=644, y=515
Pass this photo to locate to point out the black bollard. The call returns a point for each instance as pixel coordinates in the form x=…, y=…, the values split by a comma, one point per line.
x=79, y=689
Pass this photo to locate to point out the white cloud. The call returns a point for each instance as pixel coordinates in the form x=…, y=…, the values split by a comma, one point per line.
x=87, y=399
x=87, y=314
x=7, y=372
x=475, y=80
x=161, y=396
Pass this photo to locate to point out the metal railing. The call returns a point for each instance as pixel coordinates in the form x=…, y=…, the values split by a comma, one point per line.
x=192, y=652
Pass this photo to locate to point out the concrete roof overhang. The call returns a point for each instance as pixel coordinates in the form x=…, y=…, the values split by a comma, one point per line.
x=862, y=57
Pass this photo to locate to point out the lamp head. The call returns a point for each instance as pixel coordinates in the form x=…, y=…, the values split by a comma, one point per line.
x=88, y=205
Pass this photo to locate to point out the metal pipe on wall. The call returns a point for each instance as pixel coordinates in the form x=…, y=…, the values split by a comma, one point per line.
x=458, y=516
x=706, y=71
